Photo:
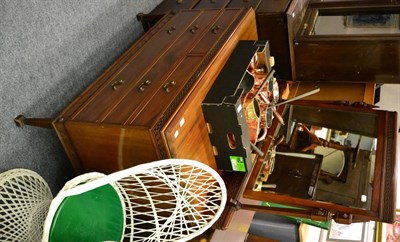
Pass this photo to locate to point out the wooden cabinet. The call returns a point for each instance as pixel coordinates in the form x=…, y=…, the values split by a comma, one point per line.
x=146, y=105
x=271, y=18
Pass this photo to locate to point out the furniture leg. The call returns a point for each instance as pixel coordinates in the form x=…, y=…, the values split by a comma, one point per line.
x=21, y=121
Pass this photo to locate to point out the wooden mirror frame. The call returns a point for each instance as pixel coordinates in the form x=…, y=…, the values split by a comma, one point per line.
x=383, y=204
x=341, y=57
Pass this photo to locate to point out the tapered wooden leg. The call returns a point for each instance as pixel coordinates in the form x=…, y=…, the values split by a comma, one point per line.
x=21, y=121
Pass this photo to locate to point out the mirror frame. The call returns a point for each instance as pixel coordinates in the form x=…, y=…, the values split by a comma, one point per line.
x=309, y=51
x=383, y=200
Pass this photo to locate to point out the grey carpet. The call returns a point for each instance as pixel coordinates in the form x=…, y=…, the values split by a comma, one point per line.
x=50, y=51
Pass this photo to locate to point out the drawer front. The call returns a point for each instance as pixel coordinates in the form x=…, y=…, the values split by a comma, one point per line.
x=212, y=4
x=215, y=31
x=168, y=5
x=135, y=100
x=173, y=86
x=127, y=76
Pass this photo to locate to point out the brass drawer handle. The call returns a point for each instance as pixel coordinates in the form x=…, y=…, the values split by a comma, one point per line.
x=179, y=1
x=215, y=29
x=169, y=31
x=168, y=85
x=143, y=85
x=194, y=28
x=116, y=84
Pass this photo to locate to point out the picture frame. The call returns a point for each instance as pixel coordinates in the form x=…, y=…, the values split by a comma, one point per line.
x=355, y=232
x=389, y=232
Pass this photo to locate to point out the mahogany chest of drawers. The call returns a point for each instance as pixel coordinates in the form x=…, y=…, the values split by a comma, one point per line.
x=275, y=20
x=146, y=105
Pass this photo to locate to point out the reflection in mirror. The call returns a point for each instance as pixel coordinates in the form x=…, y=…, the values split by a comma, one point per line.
x=356, y=24
x=322, y=154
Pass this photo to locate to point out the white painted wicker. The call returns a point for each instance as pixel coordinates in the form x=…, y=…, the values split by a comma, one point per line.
x=25, y=199
x=167, y=200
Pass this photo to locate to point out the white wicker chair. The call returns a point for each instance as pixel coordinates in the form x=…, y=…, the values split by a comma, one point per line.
x=24, y=202
x=167, y=200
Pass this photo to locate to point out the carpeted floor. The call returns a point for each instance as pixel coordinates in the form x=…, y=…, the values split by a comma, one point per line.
x=50, y=51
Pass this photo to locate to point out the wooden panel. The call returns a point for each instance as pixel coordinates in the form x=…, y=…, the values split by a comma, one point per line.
x=168, y=5
x=244, y=4
x=273, y=6
x=295, y=177
x=109, y=148
x=348, y=61
x=272, y=25
x=295, y=15
x=333, y=91
x=211, y=4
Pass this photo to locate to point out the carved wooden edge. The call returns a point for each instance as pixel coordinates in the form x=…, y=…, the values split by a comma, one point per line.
x=188, y=86
x=390, y=176
x=69, y=148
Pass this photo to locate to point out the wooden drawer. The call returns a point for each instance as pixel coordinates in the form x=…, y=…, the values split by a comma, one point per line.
x=128, y=76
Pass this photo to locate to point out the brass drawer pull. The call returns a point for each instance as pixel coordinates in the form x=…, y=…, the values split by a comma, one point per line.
x=194, y=28
x=115, y=84
x=179, y=1
x=143, y=85
x=168, y=85
x=169, y=31
x=215, y=29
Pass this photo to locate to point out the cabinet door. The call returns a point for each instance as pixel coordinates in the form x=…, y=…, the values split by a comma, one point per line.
x=126, y=76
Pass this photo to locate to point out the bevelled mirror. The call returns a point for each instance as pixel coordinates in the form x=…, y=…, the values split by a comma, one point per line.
x=333, y=157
